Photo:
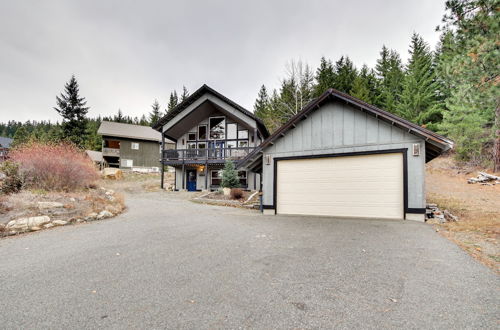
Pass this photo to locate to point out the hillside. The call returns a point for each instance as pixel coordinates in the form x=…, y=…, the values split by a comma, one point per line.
x=478, y=208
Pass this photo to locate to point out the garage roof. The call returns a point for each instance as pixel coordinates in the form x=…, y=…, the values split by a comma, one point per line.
x=129, y=131
x=435, y=143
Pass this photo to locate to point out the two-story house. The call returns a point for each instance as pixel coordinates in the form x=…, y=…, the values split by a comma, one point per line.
x=208, y=129
x=130, y=146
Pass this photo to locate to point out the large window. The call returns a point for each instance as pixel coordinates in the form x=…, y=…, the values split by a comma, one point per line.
x=202, y=132
x=217, y=128
x=215, y=178
x=231, y=131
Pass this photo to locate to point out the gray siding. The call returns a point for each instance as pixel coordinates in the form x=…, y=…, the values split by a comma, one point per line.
x=341, y=128
x=148, y=154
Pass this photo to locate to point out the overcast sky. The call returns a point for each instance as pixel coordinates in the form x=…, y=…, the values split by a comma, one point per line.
x=127, y=53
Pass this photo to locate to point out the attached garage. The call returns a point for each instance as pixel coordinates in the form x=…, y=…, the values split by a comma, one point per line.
x=364, y=186
x=342, y=157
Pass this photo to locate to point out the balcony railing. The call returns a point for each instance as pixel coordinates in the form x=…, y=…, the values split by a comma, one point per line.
x=114, y=152
x=209, y=154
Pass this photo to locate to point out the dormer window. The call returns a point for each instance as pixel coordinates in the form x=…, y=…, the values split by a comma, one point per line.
x=217, y=128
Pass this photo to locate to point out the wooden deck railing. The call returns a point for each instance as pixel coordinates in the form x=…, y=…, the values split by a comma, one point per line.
x=111, y=152
x=206, y=154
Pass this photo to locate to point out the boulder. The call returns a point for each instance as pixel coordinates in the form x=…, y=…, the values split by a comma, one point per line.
x=48, y=225
x=59, y=222
x=2, y=227
x=104, y=214
x=26, y=223
x=112, y=173
x=49, y=205
x=35, y=228
x=91, y=216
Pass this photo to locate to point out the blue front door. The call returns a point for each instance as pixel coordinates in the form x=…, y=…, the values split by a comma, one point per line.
x=191, y=180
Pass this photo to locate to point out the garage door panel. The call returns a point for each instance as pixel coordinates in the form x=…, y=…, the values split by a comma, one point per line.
x=362, y=186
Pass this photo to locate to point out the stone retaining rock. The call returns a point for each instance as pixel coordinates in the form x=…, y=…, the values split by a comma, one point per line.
x=104, y=214
x=26, y=223
x=59, y=222
x=49, y=205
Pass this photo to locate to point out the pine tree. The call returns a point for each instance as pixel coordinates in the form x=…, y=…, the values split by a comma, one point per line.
x=345, y=74
x=173, y=101
x=185, y=93
x=119, y=118
x=261, y=105
x=418, y=102
x=72, y=108
x=230, y=175
x=154, y=115
x=470, y=69
x=94, y=140
x=389, y=70
x=325, y=77
x=143, y=121
x=364, y=86
x=21, y=136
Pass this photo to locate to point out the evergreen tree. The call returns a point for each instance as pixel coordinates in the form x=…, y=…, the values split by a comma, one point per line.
x=73, y=111
x=173, y=101
x=364, y=86
x=470, y=69
x=94, y=140
x=230, y=175
x=143, y=121
x=119, y=117
x=345, y=74
x=261, y=105
x=389, y=70
x=185, y=93
x=21, y=136
x=325, y=77
x=418, y=101
x=154, y=115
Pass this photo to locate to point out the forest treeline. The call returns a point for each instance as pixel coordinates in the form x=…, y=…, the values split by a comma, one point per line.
x=452, y=89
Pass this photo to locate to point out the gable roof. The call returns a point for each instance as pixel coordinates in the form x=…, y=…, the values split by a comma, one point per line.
x=5, y=142
x=95, y=156
x=435, y=143
x=129, y=131
x=196, y=95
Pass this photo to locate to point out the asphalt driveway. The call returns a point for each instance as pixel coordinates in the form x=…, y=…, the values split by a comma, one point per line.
x=170, y=263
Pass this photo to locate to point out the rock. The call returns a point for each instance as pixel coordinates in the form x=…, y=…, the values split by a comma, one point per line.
x=104, y=214
x=35, y=228
x=2, y=227
x=59, y=222
x=110, y=198
x=49, y=205
x=449, y=217
x=227, y=191
x=112, y=173
x=48, y=225
x=90, y=216
x=110, y=192
x=26, y=223
x=79, y=220
x=72, y=199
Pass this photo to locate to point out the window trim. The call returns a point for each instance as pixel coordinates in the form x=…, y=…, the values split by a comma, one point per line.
x=210, y=130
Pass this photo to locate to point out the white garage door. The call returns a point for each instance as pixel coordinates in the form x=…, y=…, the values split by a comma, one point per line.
x=367, y=186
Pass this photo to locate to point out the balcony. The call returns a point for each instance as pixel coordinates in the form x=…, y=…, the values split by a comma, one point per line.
x=111, y=152
x=201, y=156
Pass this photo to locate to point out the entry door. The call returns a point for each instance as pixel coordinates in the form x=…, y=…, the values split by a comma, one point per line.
x=365, y=186
x=191, y=180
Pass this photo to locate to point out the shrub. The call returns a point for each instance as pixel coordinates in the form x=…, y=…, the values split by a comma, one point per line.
x=236, y=193
x=54, y=166
x=13, y=181
x=230, y=176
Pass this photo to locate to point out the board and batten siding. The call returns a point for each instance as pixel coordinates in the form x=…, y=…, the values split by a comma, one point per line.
x=148, y=154
x=337, y=128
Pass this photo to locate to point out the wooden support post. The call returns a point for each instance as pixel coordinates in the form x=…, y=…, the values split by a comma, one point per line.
x=183, y=181
x=206, y=173
x=161, y=160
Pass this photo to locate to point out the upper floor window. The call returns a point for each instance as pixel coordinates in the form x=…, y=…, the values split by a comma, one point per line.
x=217, y=128
x=134, y=146
x=202, y=132
x=231, y=131
x=191, y=136
x=243, y=134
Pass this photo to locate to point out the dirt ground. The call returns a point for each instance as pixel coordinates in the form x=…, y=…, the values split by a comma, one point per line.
x=477, y=206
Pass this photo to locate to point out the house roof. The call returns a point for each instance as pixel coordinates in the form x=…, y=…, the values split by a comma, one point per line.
x=5, y=142
x=96, y=156
x=435, y=143
x=197, y=94
x=129, y=131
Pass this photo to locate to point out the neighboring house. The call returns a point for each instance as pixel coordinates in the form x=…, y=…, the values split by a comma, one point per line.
x=208, y=129
x=4, y=147
x=131, y=146
x=342, y=157
x=96, y=157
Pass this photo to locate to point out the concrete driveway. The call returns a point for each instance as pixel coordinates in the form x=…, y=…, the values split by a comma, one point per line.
x=170, y=263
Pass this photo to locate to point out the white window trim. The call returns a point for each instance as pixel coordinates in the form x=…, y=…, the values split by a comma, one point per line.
x=133, y=145
x=126, y=162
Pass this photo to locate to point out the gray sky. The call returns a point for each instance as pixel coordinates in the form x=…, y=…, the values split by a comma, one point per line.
x=127, y=53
